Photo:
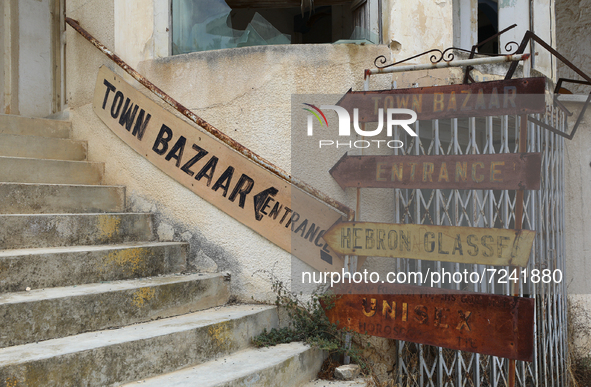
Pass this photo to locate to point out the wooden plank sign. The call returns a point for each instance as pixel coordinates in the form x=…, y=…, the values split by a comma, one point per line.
x=474, y=322
x=495, y=98
x=487, y=171
x=249, y=193
x=476, y=245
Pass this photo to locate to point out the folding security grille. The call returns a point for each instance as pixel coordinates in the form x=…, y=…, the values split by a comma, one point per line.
x=422, y=365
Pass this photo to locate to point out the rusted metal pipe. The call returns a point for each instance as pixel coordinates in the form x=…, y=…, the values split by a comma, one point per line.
x=519, y=196
x=208, y=127
x=453, y=63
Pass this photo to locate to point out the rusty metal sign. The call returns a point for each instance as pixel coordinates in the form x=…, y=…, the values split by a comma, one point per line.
x=475, y=245
x=282, y=213
x=487, y=171
x=452, y=101
x=494, y=325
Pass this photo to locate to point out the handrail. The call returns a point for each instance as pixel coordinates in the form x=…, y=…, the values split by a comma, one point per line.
x=208, y=127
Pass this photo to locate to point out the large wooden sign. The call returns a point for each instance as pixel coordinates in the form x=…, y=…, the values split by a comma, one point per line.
x=515, y=96
x=476, y=245
x=487, y=171
x=225, y=178
x=488, y=324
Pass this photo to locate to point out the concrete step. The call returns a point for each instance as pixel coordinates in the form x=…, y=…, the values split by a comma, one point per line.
x=111, y=357
x=11, y=124
x=42, y=147
x=53, y=230
x=27, y=170
x=358, y=382
x=30, y=198
x=74, y=265
x=283, y=365
x=51, y=313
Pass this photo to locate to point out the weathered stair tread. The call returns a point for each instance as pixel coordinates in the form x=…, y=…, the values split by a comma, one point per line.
x=282, y=365
x=44, y=198
x=112, y=357
x=52, y=148
x=91, y=340
x=27, y=126
x=50, y=313
x=52, y=230
x=75, y=265
x=30, y=170
x=68, y=249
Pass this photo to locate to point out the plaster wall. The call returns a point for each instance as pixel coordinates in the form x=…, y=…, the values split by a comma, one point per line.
x=578, y=210
x=572, y=29
x=573, y=18
x=433, y=18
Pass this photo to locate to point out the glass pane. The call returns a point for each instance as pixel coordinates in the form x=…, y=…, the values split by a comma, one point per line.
x=200, y=25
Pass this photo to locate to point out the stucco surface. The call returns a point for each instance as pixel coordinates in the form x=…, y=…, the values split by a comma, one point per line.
x=577, y=168
x=573, y=19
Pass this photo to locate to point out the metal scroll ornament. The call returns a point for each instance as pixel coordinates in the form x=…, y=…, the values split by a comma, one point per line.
x=447, y=55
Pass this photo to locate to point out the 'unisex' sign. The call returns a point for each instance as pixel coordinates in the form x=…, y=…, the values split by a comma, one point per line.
x=476, y=245
x=225, y=178
x=487, y=171
x=483, y=323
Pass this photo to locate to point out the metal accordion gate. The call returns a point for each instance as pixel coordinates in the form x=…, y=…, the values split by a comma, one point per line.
x=423, y=365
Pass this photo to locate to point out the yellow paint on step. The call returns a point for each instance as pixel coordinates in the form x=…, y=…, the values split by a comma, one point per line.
x=108, y=225
x=11, y=382
x=142, y=295
x=128, y=261
x=220, y=333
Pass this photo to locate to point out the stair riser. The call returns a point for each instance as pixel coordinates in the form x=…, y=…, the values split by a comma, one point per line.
x=47, y=270
x=42, y=147
x=22, y=170
x=34, y=126
x=60, y=199
x=29, y=322
x=30, y=231
x=109, y=366
x=293, y=372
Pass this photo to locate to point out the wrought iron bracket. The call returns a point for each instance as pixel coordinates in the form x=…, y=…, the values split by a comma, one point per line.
x=467, y=76
x=587, y=81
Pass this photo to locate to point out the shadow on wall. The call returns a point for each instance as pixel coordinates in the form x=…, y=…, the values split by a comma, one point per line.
x=204, y=256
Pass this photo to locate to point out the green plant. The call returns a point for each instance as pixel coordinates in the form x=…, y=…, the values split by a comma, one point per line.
x=308, y=323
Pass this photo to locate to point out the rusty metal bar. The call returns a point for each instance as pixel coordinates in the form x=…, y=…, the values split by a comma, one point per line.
x=208, y=127
x=530, y=35
x=519, y=196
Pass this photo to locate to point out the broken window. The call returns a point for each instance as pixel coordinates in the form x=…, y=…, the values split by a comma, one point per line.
x=200, y=25
x=488, y=25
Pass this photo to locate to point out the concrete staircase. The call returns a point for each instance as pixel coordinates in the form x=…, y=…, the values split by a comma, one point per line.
x=88, y=297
